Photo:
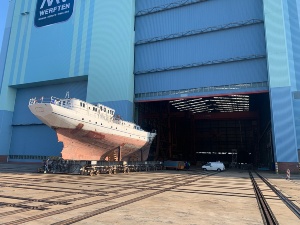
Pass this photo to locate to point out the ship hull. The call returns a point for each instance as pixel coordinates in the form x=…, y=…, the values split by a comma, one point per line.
x=90, y=145
x=89, y=138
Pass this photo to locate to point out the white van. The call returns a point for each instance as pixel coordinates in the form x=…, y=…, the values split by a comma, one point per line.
x=219, y=166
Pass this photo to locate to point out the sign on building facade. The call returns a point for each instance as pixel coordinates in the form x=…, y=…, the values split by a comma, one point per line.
x=52, y=11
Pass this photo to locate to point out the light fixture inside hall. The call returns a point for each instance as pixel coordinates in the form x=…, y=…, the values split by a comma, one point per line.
x=232, y=103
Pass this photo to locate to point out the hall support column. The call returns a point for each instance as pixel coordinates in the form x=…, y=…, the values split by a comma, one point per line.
x=282, y=81
x=170, y=144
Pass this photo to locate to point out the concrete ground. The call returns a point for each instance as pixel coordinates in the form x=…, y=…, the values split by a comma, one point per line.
x=157, y=197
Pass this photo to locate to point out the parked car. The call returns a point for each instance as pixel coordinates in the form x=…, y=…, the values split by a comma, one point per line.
x=219, y=166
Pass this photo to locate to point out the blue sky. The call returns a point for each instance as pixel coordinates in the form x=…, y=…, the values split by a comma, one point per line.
x=3, y=14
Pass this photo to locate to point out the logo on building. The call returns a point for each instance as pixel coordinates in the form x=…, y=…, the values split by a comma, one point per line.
x=52, y=11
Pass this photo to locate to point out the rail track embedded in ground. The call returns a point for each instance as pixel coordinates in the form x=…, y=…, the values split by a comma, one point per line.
x=292, y=206
x=137, y=193
x=268, y=216
x=265, y=210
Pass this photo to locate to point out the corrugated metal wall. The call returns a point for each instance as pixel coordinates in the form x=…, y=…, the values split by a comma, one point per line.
x=95, y=45
x=97, y=41
x=183, y=45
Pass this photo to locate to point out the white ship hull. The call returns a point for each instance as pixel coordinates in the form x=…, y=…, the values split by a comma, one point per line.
x=89, y=135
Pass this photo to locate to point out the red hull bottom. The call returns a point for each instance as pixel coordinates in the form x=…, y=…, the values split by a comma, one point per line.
x=89, y=145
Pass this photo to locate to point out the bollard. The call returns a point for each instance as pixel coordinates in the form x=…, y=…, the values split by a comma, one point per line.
x=288, y=174
x=276, y=167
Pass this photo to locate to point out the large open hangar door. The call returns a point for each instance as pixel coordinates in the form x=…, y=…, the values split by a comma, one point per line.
x=233, y=129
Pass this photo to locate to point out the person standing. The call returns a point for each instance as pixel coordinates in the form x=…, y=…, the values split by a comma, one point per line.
x=46, y=166
x=187, y=165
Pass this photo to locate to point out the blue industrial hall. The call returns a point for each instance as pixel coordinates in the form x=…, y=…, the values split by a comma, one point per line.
x=217, y=79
